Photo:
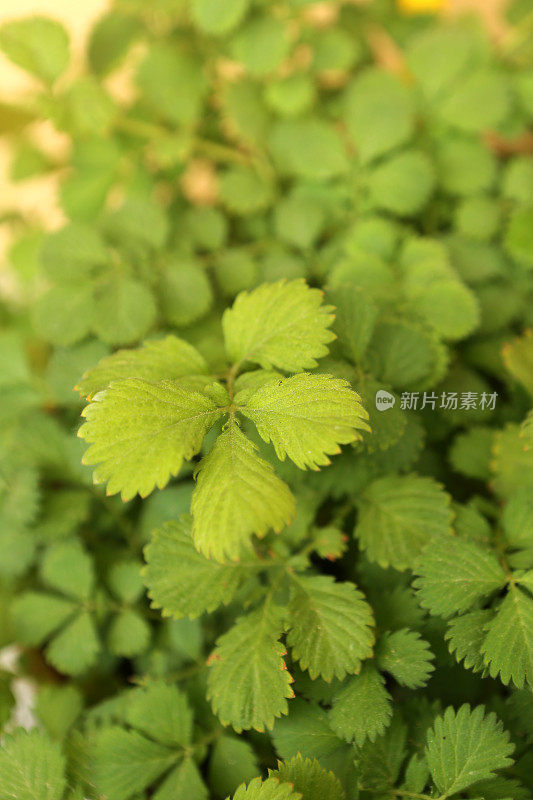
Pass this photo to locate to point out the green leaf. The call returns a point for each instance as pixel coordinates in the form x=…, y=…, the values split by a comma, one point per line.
x=508, y=646
x=237, y=495
x=216, y=19
x=355, y=317
x=378, y=113
x=128, y=634
x=261, y=44
x=398, y=515
x=405, y=656
x=379, y=763
x=139, y=433
x=233, y=761
x=69, y=569
x=306, y=731
x=363, y=708
x=306, y=417
x=126, y=763
x=87, y=109
x=449, y=307
x=110, y=40
x=244, y=192
x=74, y=253
x=58, y=707
x=37, y=615
x=464, y=747
x=465, y=166
x=310, y=149
x=162, y=713
x=169, y=358
x=290, y=96
x=299, y=220
x=235, y=270
x=37, y=44
x=184, y=780
x=186, y=293
x=308, y=778
x=454, y=574
x=75, y=648
x=124, y=311
x=63, y=315
x=173, y=84
x=32, y=767
x=518, y=359
x=125, y=581
x=138, y=224
x=403, y=184
x=439, y=55
x=465, y=637
x=180, y=580
x=518, y=238
x=248, y=681
x=480, y=101
x=330, y=627
x=271, y=789
x=406, y=355
x=512, y=463
x=517, y=519
x=281, y=325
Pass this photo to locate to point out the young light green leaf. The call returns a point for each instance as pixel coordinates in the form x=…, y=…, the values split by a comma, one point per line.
x=169, y=358
x=306, y=417
x=37, y=44
x=464, y=747
x=508, y=646
x=271, y=789
x=32, y=767
x=180, y=580
x=139, y=433
x=237, y=495
x=282, y=325
x=453, y=574
x=405, y=656
x=363, y=708
x=398, y=515
x=330, y=627
x=248, y=681
x=308, y=778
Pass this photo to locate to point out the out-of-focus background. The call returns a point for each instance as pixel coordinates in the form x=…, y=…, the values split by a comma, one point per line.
x=37, y=197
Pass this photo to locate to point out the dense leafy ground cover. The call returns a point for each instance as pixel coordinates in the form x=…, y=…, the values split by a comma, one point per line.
x=246, y=576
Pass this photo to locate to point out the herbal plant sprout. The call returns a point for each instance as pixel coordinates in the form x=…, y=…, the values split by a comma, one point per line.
x=286, y=551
